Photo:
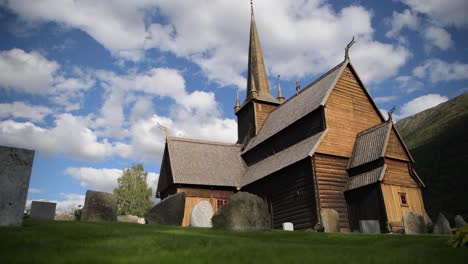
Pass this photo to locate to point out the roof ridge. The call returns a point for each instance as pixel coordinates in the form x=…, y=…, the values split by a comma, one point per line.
x=208, y=142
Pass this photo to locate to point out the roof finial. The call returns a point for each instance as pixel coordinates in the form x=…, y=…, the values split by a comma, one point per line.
x=390, y=113
x=251, y=8
x=237, y=106
x=298, y=87
x=280, y=92
x=165, y=130
x=347, y=48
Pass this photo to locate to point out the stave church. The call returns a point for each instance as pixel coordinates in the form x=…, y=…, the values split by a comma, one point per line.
x=326, y=147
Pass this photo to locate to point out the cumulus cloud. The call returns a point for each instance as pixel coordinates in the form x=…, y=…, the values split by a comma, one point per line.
x=385, y=99
x=298, y=37
x=438, y=70
x=24, y=110
x=409, y=83
x=438, y=37
x=445, y=13
x=420, y=104
x=399, y=21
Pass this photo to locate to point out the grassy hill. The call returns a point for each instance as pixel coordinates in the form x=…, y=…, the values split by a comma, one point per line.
x=438, y=141
x=77, y=242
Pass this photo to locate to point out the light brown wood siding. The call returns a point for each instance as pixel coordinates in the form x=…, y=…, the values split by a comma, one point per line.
x=398, y=173
x=261, y=113
x=395, y=211
x=331, y=176
x=347, y=112
x=395, y=148
x=196, y=195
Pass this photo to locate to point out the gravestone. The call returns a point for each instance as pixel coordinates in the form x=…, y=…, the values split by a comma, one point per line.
x=141, y=220
x=201, y=214
x=287, y=226
x=330, y=220
x=15, y=172
x=413, y=223
x=99, y=206
x=127, y=219
x=243, y=212
x=42, y=210
x=369, y=226
x=169, y=211
x=459, y=221
x=442, y=225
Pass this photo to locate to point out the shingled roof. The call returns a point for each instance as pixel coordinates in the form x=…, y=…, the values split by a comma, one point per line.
x=205, y=162
x=280, y=160
x=370, y=144
x=296, y=107
x=366, y=178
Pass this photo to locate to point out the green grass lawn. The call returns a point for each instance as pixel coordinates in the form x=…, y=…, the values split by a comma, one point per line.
x=75, y=242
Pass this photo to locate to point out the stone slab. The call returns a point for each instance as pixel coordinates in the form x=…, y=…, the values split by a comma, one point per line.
x=330, y=220
x=15, y=172
x=201, y=215
x=287, y=226
x=169, y=211
x=369, y=226
x=459, y=221
x=99, y=206
x=414, y=223
x=442, y=225
x=128, y=219
x=42, y=210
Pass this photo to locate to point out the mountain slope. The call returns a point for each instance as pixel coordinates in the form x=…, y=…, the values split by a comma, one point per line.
x=438, y=140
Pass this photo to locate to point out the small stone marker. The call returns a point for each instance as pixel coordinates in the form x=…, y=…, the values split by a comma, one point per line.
x=141, y=220
x=201, y=214
x=42, y=210
x=99, y=206
x=287, y=226
x=15, y=172
x=127, y=219
x=330, y=220
x=243, y=212
x=442, y=225
x=459, y=221
x=169, y=211
x=369, y=226
x=413, y=223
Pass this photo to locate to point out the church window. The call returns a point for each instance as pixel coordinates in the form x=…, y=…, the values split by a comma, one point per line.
x=220, y=203
x=403, y=199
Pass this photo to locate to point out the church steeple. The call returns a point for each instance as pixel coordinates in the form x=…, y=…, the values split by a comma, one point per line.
x=257, y=80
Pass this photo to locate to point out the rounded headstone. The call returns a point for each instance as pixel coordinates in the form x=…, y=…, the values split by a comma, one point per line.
x=99, y=206
x=288, y=226
x=442, y=225
x=169, y=211
x=330, y=220
x=243, y=211
x=414, y=223
x=201, y=214
x=459, y=221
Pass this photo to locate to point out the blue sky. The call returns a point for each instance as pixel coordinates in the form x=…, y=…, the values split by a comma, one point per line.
x=84, y=83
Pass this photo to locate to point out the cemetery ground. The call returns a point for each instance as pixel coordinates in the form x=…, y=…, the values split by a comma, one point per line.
x=80, y=242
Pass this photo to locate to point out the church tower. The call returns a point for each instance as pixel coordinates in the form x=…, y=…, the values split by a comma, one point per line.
x=258, y=101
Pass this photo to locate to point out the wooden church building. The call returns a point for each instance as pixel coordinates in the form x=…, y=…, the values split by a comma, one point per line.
x=327, y=147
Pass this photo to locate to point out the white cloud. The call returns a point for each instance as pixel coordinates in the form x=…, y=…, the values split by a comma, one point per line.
x=409, y=83
x=104, y=180
x=421, y=103
x=24, y=110
x=438, y=37
x=26, y=72
x=399, y=21
x=385, y=99
x=445, y=13
x=70, y=136
x=437, y=70
x=298, y=37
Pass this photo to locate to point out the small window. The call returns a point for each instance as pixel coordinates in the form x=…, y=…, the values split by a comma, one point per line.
x=403, y=200
x=220, y=203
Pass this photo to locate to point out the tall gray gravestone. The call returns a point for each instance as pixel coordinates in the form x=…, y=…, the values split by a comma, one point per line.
x=442, y=225
x=99, y=206
x=15, y=172
x=414, y=223
x=42, y=210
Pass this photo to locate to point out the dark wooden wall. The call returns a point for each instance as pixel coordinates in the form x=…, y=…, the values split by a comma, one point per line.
x=366, y=203
x=165, y=182
x=331, y=176
x=290, y=194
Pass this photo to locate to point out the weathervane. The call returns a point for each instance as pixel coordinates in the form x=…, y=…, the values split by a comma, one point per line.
x=298, y=87
x=164, y=129
x=348, y=47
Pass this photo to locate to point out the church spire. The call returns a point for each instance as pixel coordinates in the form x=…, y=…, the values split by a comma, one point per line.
x=237, y=106
x=280, y=92
x=257, y=80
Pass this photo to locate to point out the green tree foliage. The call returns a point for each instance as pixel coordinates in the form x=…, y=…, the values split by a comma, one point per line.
x=132, y=192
